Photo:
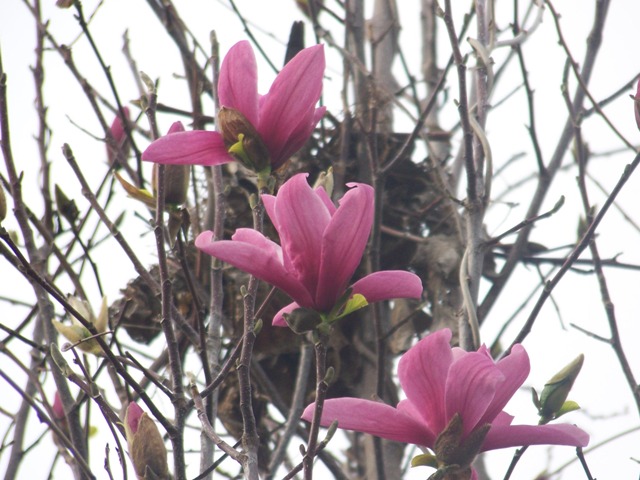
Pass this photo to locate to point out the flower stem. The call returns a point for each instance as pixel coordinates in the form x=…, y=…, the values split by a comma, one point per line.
x=321, y=392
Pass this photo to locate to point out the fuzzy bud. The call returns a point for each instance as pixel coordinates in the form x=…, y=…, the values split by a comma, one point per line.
x=555, y=392
x=119, y=134
x=146, y=447
x=176, y=177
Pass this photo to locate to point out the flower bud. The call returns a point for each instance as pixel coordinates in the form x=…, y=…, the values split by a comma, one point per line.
x=176, y=177
x=146, y=447
x=325, y=180
x=58, y=408
x=119, y=134
x=555, y=392
x=77, y=333
x=242, y=140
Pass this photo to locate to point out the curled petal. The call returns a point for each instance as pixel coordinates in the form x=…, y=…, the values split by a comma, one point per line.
x=188, y=148
x=278, y=320
x=515, y=368
x=344, y=241
x=471, y=387
x=423, y=371
x=388, y=284
x=301, y=217
x=252, y=252
x=523, y=435
x=287, y=112
x=371, y=417
x=238, y=83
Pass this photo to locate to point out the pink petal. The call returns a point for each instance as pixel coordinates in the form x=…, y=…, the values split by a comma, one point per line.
x=423, y=371
x=134, y=413
x=238, y=83
x=57, y=407
x=301, y=219
x=470, y=389
x=188, y=148
x=175, y=127
x=288, y=109
x=521, y=435
x=389, y=284
x=515, y=368
x=371, y=417
x=278, y=320
x=117, y=128
x=343, y=243
x=269, y=202
x=252, y=252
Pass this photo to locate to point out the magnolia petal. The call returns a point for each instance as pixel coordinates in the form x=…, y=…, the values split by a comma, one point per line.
x=132, y=417
x=257, y=255
x=238, y=83
x=470, y=389
x=343, y=243
x=175, y=127
x=288, y=109
x=515, y=368
x=188, y=148
x=523, y=435
x=278, y=320
x=371, y=417
x=301, y=219
x=389, y=284
x=299, y=135
x=422, y=372
x=269, y=202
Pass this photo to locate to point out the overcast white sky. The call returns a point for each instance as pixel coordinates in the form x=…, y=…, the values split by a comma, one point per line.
x=608, y=407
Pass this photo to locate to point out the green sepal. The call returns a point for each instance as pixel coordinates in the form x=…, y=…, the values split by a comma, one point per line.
x=568, y=406
x=424, y=460
x=238, y=151
x=354, y=303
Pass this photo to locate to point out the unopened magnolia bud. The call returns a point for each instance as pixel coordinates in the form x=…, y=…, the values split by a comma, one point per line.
x=325, y=180
x=66, y=207
x=176, y=177
x=146, y=447
x=119, y=152
x=242, y=140
x=57, y=407
x=176, y=183
x=77, y=333
x=555, y=392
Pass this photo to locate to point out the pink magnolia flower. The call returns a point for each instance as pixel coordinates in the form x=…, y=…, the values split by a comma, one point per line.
x=439, y=383
x=321, y=248
x=275, y=125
